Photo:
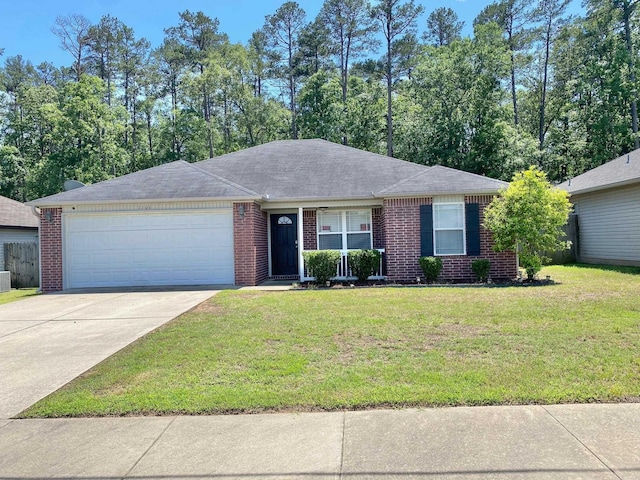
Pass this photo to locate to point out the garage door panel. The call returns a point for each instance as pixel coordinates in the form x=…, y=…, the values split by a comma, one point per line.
x=166, y=248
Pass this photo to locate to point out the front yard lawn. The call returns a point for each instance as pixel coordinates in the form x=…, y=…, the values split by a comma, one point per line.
x=241, y=351
x=14, y=295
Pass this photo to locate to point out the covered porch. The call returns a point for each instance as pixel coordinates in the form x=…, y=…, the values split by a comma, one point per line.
x=291, y=232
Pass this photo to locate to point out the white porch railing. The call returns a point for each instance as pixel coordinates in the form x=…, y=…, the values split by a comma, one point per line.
x=343, y=272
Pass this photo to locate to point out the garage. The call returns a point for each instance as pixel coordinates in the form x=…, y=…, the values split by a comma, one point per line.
x=148, y=248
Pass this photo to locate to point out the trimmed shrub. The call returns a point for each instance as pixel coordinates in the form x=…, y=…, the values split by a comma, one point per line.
x=481, y=268
x=431, y=267
x=363, y=263
x=322, y=264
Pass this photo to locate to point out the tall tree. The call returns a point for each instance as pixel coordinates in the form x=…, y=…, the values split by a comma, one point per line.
x=443, y=27
x=259, y=60
x=282, y=30
x=73, y=32
x=550, y=13
x=171, y=60
x=200, y=35
x=350, y=29
x=627, y=9
x=103, y=40
x=512, y=16
x=396, y=21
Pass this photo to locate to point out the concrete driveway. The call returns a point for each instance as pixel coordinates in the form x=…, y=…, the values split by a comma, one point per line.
x=48, y=340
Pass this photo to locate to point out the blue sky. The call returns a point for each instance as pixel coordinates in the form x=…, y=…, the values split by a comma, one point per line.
x=25, y=25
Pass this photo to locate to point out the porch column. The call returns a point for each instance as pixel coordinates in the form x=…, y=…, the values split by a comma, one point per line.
x=300, y=244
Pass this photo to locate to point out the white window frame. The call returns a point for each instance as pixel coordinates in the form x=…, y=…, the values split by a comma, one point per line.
x=463, y=229
x=345, y=233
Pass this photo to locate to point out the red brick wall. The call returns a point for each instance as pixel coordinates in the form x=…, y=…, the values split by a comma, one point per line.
x=402, y=237
x=402, y=244
x=250, y=244
x=378, y=227
x=51, y=249
x=309, y=229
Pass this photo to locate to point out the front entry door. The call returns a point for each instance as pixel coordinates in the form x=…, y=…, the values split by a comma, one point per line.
x=284, y=244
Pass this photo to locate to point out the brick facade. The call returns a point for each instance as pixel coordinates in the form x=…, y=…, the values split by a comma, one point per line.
x=396, y=228
x=309, y=229
x=251, y=250
x=51, y=249
x=401, y=226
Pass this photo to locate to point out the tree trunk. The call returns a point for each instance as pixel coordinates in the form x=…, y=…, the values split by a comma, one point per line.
x=632, y=73
x=543, y=99
x=389, y=107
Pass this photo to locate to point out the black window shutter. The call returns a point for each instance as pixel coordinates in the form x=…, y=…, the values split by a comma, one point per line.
x=473, y=228
x=426, y=230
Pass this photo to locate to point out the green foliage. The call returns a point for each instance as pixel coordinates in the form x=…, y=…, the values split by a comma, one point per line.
x=527, y=218
x=322, y=264
x=531, y=86
x=481, y=268
x=364, y=263
x=431, y=267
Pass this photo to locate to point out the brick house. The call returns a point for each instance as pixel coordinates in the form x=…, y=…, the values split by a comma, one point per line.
x=247, y=216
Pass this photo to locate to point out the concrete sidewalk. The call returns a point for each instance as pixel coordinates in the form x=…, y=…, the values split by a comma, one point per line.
x=529, y=442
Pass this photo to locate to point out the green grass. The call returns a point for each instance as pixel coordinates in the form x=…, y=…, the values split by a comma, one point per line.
x=14, y=295
x=575, y=341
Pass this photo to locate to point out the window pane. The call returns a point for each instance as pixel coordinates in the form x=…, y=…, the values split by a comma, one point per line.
x=329, y=222
x=449, y=242
x=358, y=221
x=448, y=216
x=330, y=242
x=358, y=241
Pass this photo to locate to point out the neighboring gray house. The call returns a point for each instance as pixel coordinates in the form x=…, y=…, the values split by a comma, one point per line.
x=17, y=224
x=607, y=204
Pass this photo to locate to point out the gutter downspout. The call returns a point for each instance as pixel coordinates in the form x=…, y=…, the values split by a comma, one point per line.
x=36, y=212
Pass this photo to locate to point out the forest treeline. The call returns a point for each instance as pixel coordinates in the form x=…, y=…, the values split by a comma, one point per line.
x=531, y=86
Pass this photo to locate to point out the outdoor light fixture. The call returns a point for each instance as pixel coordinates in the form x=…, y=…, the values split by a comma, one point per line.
x=48, y=216
x=241, y=211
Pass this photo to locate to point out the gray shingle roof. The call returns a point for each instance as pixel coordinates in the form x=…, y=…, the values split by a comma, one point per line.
x=621, y=171
x=172, y=181
x=444, y=180
x=283, y=170
x=15, y=214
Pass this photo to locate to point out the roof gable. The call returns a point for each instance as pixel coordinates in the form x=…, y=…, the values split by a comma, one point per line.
x=620, y=171
x=15, y=214
x=443, y=180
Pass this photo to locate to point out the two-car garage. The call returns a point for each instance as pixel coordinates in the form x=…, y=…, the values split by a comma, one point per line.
x=142, y=248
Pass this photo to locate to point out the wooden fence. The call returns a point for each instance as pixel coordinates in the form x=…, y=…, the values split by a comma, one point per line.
x=22, y=260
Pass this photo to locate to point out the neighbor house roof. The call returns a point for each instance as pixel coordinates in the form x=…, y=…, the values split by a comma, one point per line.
x=283, y=170
x=623, y=170
x=16, y=215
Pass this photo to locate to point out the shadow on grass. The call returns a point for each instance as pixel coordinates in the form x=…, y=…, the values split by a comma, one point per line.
x=612, y=268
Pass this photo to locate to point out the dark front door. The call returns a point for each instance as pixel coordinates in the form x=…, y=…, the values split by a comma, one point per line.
x=284, y=244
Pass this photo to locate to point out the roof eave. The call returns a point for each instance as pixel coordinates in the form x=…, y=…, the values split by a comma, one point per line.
x=602, y=187
x=432, y=193
x=37, y=203
x=18, y=227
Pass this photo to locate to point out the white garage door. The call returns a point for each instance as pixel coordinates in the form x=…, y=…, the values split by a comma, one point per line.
x=137, y=249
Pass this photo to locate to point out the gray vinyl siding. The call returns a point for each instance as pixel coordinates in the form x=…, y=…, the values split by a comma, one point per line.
x=13, y=235
x=609, y=226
